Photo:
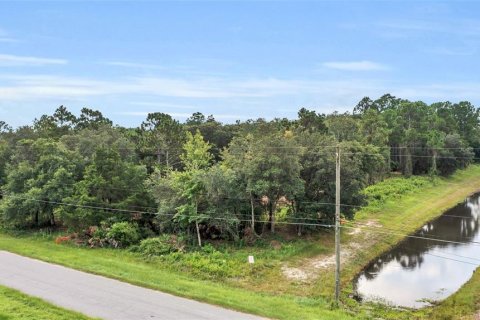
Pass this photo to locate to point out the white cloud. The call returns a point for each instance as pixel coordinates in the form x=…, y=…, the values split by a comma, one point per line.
x=246, y=96
x=441, y=91
x=458, y=27
x=355, y=65
x=31, y=87
x=135, y=65
x=8, y=60
x=163, y=105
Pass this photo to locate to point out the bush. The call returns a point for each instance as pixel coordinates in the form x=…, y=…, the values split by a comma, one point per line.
x=214, y=265
x=123, y=234
x=160, y=246
x=391, y=189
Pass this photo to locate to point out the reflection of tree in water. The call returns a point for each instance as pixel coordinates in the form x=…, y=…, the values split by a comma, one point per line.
x=409, y=253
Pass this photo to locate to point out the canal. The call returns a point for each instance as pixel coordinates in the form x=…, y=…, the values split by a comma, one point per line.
x=423, y=268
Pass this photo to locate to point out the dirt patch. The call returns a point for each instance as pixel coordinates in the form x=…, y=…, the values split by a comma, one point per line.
x=369, y=223
x=308, y=269
x=295, y=274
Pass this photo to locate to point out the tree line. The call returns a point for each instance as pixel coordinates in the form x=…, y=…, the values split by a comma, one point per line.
x=207, y=180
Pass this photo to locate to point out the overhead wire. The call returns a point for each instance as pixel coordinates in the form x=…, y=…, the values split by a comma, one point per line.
x=360, y=225
x=411, y=236
x=300, y=223
x=264, y=221
x=161, y=214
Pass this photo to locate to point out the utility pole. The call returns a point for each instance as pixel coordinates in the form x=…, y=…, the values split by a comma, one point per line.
x=337, y=225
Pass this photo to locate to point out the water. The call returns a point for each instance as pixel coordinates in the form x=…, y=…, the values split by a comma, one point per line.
x=417, y=271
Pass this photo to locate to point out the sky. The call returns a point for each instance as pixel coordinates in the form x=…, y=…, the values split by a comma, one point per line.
x=235, y=60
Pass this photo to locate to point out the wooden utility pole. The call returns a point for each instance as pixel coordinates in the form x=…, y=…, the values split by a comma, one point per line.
x=337, y=225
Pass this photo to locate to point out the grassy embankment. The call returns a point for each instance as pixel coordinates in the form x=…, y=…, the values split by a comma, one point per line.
x=17, y=306
x=398, y=207
x=404, y=214
x=227, y=280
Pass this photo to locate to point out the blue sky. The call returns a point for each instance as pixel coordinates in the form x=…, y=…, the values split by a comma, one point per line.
x=235, y=60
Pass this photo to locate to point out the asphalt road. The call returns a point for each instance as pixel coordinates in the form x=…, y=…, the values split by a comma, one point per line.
x=101, y=297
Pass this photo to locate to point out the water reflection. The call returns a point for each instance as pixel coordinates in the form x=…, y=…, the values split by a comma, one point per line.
x=418, y=269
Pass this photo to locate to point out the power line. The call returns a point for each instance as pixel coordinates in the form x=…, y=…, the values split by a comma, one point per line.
x=460, y=256
x=413, y=236
x=427, y=252
x=260, y=200
x=161, y=214
x=319, y=147
x=360, y=225
x=260, y=221
x=466, y=262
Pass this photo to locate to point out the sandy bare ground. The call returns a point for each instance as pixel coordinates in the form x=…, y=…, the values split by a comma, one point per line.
x=308, y=269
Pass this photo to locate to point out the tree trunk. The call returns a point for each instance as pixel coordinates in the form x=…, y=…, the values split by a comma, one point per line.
x=253, y=212
x=433, y=169
x=272, y=217
x=389, y=161
x=295, y=211
x=159, y=159
x=265, y=224
x=197, y=226
x=408, y=163
x=52, y=219
x=198, y=234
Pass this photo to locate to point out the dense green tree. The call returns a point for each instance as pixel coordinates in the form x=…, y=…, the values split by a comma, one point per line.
x=218, y=180
x=91, y=119
x=271, y=168
x=214, y=132
x=343, y=127
x=87, y=141
x=187, y=186
x=57, y=125
x=4, y=127
x=108, y=183
x=40, y=177
x=456, y=154
x=197, y=118
x=311, y=121
x=373, y=129
x=225, y=206
x=160, y=138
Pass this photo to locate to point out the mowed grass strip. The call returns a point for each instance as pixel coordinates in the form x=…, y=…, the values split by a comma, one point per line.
x=15, y=305
x=125, y=266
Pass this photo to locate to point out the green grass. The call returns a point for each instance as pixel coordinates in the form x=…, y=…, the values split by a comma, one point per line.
x=408, y=205
x=123, y=265
x=17, y=306
x=466, y=302
x=226, y=279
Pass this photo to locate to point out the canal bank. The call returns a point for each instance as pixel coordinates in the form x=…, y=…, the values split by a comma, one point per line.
x=429, y=265
x=379, y=228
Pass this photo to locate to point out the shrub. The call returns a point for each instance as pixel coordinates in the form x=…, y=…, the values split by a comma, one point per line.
x=162, y=245
x=391, y=189
x=123, y=234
